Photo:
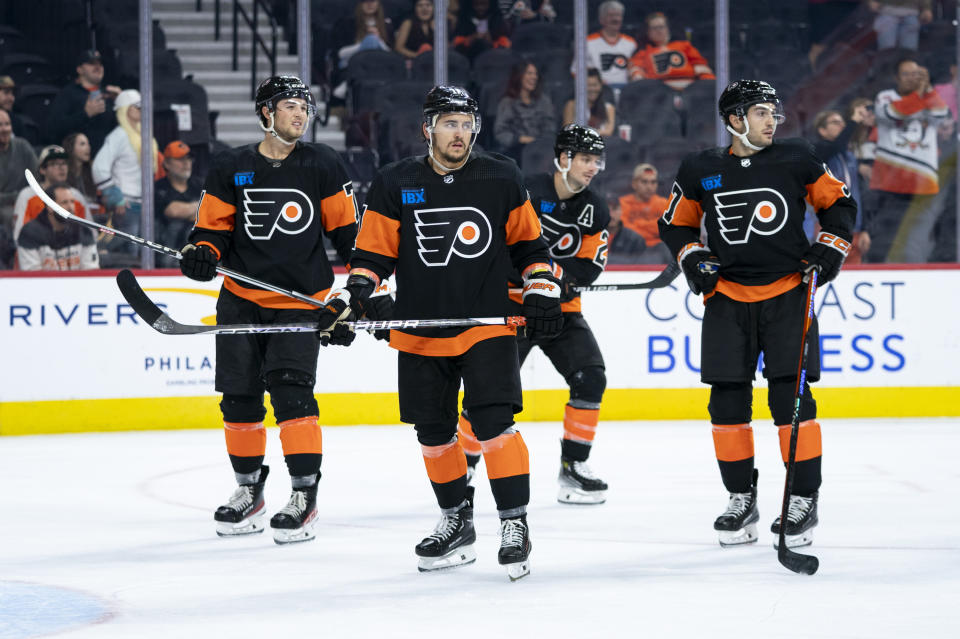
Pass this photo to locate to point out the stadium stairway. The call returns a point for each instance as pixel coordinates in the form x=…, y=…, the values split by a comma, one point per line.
x=191, y=34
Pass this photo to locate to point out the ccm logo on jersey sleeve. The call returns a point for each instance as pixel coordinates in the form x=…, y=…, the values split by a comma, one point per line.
x=289, y=211
x=761, y=211
x=444, y=232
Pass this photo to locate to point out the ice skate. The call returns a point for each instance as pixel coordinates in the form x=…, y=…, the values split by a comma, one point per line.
x=578, y=484
x=801, y=520
x=451, y=542
x=738, y=523
x=515, y=547
x=295, y=522
x=243, y=514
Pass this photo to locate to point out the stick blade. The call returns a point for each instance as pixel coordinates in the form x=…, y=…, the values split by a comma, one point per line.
x=136, y=298
x=800, y=564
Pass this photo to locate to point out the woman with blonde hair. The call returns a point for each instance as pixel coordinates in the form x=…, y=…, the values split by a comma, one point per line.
x=116, y=169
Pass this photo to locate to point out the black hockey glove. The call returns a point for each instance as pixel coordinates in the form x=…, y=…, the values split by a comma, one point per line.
x=541, y=304
x=342, y=305
x=379, y=307
x=198, y=262
x=826, y=255
x=700, y=267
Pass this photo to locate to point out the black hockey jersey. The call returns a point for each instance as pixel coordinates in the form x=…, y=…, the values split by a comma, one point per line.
x=454, y=240
x=267, y=218
x=575, y=231
x=753, y=211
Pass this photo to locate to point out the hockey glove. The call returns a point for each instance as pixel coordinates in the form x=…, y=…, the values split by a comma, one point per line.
x=826, y=255
x=567, y=285
x=343, y=304
x=380, y=308
x=700, y=267
x=541, y=304
x=198, y=262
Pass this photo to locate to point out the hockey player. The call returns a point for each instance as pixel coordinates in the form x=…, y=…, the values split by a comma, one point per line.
x=264, y=211
x=574, y=221
x=750, y=197
x=454, y=225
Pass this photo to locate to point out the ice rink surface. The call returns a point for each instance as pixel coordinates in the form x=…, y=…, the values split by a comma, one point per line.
x=111, y=535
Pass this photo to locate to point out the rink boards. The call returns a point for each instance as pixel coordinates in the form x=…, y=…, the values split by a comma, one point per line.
x=76, y=358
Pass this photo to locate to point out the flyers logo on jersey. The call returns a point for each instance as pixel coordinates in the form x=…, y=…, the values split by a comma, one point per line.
x=563, y=240
x=740, y=213
x=265, y=211
x=444, y=232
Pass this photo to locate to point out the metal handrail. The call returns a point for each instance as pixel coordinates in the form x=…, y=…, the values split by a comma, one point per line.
x=271, y=53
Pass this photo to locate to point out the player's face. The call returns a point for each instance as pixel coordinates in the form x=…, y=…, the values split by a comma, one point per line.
x=451, y=137
x=763, y=120
x=645, y=185
x=291, y=118
x=584, y=168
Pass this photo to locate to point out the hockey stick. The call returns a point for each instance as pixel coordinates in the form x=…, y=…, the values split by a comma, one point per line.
x=805, y=564
x=664, y=278
x=159, y=248
x=160, y=321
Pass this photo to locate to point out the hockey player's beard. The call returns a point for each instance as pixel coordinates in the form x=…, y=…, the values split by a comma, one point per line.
x=449, y=159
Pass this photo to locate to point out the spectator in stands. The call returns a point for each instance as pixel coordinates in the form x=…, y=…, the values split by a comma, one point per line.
x=80, y=169
x=8, y=95
x=480, y=26
x=898, y=22
x=601, y=114
x=415, y=35
x=372, y=30
x=48, y=243
x=16, y=155
x=83, y=105
x=640, y=210
x=905, y=169
x=520, y=11
x=832, y=144
x=116, y=170
x=824, y=18
x=176, y=198
x=52, y=169
x=677, y=63
x=609, y=50
x=863, y=143
x=525, y=113
x=948, y=91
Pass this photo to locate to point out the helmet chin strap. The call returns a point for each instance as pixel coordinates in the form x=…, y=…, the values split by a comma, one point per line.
x=438, y=163
x=563, y=175
x=743, y=136
x=271, y=130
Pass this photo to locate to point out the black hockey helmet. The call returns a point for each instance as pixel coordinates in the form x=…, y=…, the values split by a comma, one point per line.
x=278, y=87
x=742, y=94
x=575, y=138
x=449, y=99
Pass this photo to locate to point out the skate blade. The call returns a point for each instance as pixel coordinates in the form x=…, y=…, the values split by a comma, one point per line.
x=578, y=496
x=746, y=535
x=795, y=541
x=249, y=526
x=296, y=535
x=462, y=556
x=518, y=570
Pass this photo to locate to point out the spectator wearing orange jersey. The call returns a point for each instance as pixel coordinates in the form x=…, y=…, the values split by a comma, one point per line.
x=677, y=63
x=640, y=210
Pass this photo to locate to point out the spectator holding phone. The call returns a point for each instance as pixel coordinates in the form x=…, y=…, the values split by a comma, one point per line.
x=83, y=105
